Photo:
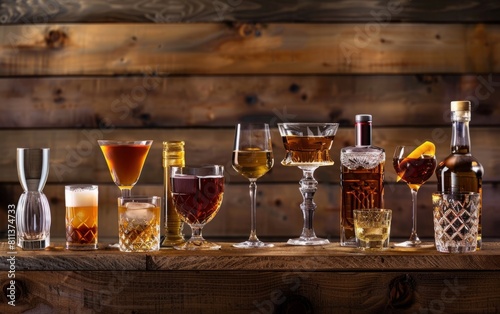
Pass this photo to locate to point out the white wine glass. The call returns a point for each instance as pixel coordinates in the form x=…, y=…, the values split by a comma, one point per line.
x=252, y=158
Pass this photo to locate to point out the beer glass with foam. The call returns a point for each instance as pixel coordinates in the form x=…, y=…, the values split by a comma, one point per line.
x=81, y=217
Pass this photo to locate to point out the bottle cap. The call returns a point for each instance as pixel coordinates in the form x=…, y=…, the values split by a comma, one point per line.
x=460, y=105
x=363, y=118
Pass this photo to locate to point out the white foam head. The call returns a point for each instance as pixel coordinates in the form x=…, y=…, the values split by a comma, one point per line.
x=81, y=197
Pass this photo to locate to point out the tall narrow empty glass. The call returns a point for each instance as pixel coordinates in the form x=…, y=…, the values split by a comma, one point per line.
x=33, y=211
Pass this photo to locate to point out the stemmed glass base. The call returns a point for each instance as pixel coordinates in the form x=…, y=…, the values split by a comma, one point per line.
x=197, y=242
x=308, y=241
x=252, y=243
x=414, y=240
x=308, y=187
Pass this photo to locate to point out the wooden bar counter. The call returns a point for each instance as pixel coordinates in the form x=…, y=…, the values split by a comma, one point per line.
x=284, y=279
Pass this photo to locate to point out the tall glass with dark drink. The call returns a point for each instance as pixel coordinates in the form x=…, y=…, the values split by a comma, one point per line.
x=197, y=194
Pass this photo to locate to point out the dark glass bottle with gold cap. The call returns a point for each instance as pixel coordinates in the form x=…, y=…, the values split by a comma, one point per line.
x=460, y=171
x=173, y=155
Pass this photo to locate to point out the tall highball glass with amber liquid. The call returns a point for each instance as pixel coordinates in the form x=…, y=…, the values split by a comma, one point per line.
x=308, y=147
x=461, y=171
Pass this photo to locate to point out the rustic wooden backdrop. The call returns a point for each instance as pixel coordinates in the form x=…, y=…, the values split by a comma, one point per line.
x=74, y=71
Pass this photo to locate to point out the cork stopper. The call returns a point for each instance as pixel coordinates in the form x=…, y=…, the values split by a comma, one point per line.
x=460, y=105
x=363, y=118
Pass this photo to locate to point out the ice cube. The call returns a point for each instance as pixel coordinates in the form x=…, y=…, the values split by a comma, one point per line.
x=139, y=211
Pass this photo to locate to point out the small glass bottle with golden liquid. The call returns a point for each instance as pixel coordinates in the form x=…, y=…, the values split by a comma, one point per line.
x=173, y=155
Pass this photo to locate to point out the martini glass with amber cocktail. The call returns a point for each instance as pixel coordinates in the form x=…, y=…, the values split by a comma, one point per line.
x=414, y=165
x=307, y=146
x=125, y=160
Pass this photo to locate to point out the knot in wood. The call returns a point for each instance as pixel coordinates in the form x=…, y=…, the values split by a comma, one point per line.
x=401, y=291
x=55, y=39
x=247, y=30
x=295, y=304
x=17, y=289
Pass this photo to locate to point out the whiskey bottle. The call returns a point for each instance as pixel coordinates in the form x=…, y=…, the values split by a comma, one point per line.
x=173, y=155
x=460, y=171
x=361, y=178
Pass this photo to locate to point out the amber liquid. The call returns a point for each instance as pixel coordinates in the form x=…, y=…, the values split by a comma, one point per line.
x=462, y=173
x=197, y=199
x=125, y=162
x=307, y=150
x=81, y=225
x=139, y=228
x=361, y=189
x=252, y=163
x=415, y=171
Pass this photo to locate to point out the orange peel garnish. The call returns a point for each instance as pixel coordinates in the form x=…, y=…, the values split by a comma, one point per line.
x=425, y=149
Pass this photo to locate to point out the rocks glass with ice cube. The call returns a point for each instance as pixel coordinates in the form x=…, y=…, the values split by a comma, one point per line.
x=139, y=223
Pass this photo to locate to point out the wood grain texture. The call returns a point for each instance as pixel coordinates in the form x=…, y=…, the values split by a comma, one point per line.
x=282, y=257
x=222, y=101
x=225, y=291
x=171, y=11
x=216, y=48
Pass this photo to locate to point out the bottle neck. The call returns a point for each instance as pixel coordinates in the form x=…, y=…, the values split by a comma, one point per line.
x=363, y=133
x=460, y=138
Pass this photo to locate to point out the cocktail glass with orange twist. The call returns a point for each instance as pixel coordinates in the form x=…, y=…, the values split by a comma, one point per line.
x=414, y=165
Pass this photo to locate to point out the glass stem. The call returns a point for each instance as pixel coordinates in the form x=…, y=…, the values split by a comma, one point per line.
x=414, y=237
x=253, y=209
x=126, y=192
x=196, y=233
x=308, y=187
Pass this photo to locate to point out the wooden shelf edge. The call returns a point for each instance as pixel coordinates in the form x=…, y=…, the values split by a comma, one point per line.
x=280, y=258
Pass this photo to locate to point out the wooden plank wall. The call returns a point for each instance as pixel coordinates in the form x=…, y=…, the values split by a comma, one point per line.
x=73, y=71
